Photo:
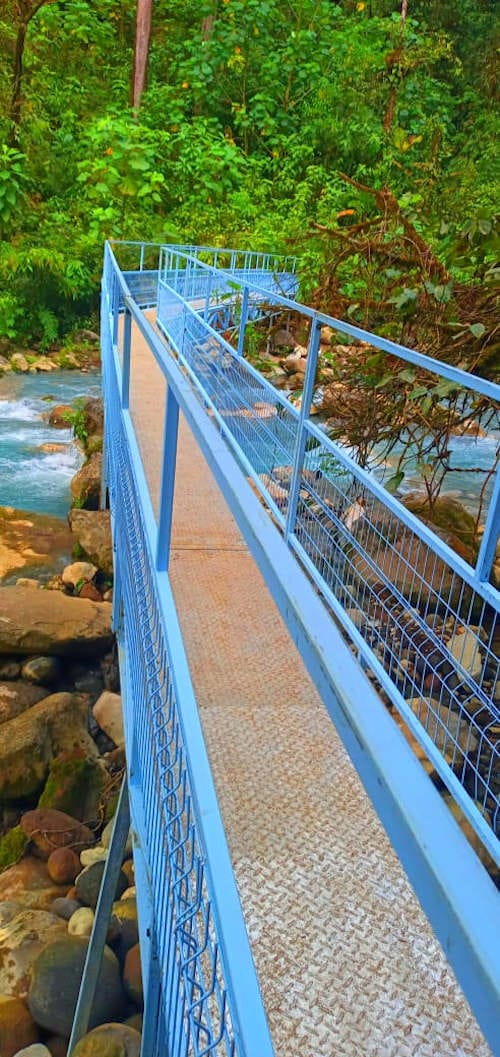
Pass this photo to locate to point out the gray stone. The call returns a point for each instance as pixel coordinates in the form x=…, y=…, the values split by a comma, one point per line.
x=64, y=908
x=56, y=976
x=86, y=484
x=88, y=884
x=9, y=670
x=465, y=650
x=46, y=671
x=39, y=622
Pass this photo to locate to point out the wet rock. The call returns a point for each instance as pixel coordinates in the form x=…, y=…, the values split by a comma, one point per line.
x=110, y=1040
x=78, y=572
x=49, y=829
x=46, y=671
x=92, y=529
x=88, y=884
x=36, y=1050
x=86, y=484
x=132, y=975
x=28, y=883
x=17, y=1027
x=107, y=712
x=63, y=865
x=38, y=622
x=60, y=416
x=30, y=741
x=56, y=976
x=33, y=541
x=125, y=910
x=93, y=416
x=16, y=697
x=23, y=934
x=45, y=365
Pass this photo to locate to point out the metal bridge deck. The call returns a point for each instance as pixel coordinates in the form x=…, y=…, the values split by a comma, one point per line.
x=346, y=959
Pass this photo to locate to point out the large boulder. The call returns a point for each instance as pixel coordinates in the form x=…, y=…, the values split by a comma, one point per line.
x=17, y=696
x=92, y=529
x=56, y=977
x=34, y=541
x=23, y=935
x=49, y=829
x=29, y=884
x=75, y=784
x=42, y=622
x=93, y=416
x=30, y=741
x=86, y=484
x=17, y=1027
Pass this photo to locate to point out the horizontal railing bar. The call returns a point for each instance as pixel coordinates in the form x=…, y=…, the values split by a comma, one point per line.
x=436, y=855
x=419, y=359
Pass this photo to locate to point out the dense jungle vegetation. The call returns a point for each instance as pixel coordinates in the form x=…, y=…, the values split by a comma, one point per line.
x=358, y=135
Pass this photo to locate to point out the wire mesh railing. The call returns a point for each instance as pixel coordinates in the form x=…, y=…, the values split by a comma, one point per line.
x=424, y=619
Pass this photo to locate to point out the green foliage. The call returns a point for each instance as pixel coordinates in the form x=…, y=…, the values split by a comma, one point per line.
x=12, y=847
x=253, y=112
x=76, y=419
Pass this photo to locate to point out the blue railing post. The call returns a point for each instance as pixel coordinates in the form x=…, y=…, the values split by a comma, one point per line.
x=127, y=334
x=167, y=481
x=307, y=395
x=208, y=296
x=243, y=320
x=488, y=547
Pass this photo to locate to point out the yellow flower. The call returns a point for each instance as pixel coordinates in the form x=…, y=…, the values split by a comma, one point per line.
x=185, y=84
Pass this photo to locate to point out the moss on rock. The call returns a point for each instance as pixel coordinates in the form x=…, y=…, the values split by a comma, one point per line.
x=12, y=847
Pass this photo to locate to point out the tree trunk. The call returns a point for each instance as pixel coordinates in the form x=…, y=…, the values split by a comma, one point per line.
x=17, y=77
x=141, y=50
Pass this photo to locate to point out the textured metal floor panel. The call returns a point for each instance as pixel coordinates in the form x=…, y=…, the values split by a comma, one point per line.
x=347, y=963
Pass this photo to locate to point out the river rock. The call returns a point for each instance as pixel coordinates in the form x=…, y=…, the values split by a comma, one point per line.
x=17, y=1027
x=60, y=416
x=64, y=908
x=28, y=883
x=90, y=591
x=36, y=622
x=86, y=484
x=91, y=855
x=56, y=976
x=49, y=829
x=108, y=713
x=93, y=416
x=63, y=865
x=30, y=741
x=78, y=572
x=92, y=529
x=465, y=649
x=125, y=910
x=16, y=697
x=81, y=922
x=88, y=884
x=110, y=1040
x=23, y=934
x=46, y=671
x=36, y=1050
x=75, y=782
x=19, y=362
x=9, y=670
x=44, y=364
x=132, y=975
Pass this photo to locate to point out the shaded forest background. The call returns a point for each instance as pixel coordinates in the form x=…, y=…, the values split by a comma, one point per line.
x=358, y=135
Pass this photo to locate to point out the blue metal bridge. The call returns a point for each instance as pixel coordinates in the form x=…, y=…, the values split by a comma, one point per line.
x=390, y=642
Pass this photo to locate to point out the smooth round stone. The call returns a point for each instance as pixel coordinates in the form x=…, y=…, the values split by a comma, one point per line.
x=110, y=1040
x=78, y=571
x=64, y=907
x=63, y=865
x=17, y=1027
x=91, y=855
x=55, y=984
x=88, y=884
x=129, y=893
x=36, y=1050
x=132, y=975
x=106, y=839
x=81, y=922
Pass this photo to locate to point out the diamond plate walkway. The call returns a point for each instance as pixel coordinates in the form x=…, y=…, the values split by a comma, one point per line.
x=346, y=960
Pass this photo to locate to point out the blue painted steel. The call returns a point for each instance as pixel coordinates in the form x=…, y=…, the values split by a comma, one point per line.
x=268, y=435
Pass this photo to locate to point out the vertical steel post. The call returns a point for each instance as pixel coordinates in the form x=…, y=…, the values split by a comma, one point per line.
x=489, y=541
x=209, y=294
x=127, y=334
x=141, y=262
x=100, y=927
x=307, y=395
x=243, y=320
x=167, y=482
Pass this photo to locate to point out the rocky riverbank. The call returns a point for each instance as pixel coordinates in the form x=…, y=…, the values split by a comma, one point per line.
x=61, y=764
